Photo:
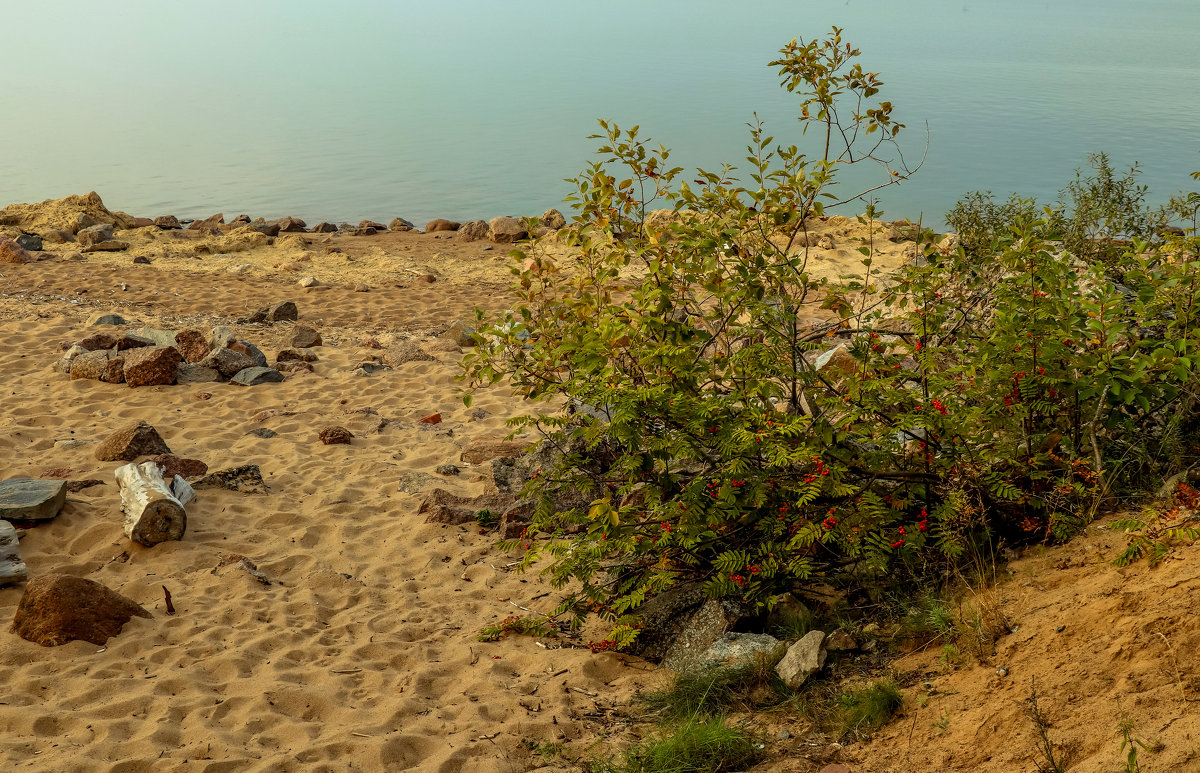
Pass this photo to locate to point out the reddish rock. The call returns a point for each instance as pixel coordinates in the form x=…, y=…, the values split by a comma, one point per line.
x=172, y=465
x=112, y=245
x=131, y=341
x=167, y=222
x=151, y=366
x=441, y=224
x=515, y=522
x=75, y=486
x=141, y=222
x=372, y=224
x=212, y=221
x=227, y=362
x=98, y=341
x=294, y=366
x=400, y=224
x=128, y=444
x=58, y=608
x=302, y=355
x=335, y=436
x=99, y=365
x=192, y=345
x=304, y=337
x=11, y=252
x=433, y=418
x=323, y=228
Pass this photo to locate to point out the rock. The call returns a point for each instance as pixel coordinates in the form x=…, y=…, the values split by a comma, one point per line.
x=473, y=231
x=96, y=234
x=257, y=375
x=31, y=499
x=128, y=444
x=294, y=366
x=839, y=641
x=406, y=352
x=370, y=368
x=665, y=616
x=167, y=222
x=363, y=231
x=70, y=213
x=740, y=649
x=284, y=311
x=440, y=506
x=263, y=227
x=208, y=223
x=131, y=341
x=441, y=225
x=334, y=435
x=372, y=224
x=141, y=260
x=227, y=362
x=251, y=351
x=400, y=224
x=553, y=219
x=58, y=608
x=100, y=365
x=308, y=282
x=193, y=345
x=12, y=568
x=11, y=252
x=263, y=432
x=57, y=236
x=304, y=337
x=703, y=627
x=63, y=365
x=156, y=336
x=300, y=355
x=109, y=246
x=362, y=288
x=107, y=319
x=461, y=335
x=75, y=486
x=485, y=450
x=194, y=373
x=837, y=360
x=151, y=366
x=291, y=225
x=506, y=230
x=172, y=465
x=446, y=469
x=30, y=242
x=433, y=418
x=246, y=478
x=98, y=341
x=803, y=659
x=142, y=222
x=323, y=228
x=221, y=337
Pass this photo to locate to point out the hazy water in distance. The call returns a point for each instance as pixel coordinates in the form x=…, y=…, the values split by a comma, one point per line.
x=475, y=108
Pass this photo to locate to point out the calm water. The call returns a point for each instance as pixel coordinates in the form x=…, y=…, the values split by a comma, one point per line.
x=478, y=108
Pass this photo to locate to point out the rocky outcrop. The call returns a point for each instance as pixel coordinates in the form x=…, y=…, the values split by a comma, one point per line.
x=57, y=608
x=70, y=214
x=506, y=230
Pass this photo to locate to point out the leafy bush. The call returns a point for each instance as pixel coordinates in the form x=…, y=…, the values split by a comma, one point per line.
x=709, y=432
x=871, y=708
x=696, y=746
x=981, y=222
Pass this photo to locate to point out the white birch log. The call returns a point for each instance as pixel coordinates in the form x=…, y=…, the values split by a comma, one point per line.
x=12, y=568
x=152, y=513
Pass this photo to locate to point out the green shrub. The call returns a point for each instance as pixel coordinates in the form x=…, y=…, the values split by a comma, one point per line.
x=680, y=380
x=696, y=746
x=715, y=691
x=981, y=222
x=869, y=709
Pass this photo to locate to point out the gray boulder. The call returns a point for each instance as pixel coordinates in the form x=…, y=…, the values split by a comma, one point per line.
x=803, y=659
x=257, y=375
x=31, y=499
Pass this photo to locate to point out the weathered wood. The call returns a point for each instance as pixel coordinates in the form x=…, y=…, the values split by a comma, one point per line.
x=12, y=568
x=152, y=513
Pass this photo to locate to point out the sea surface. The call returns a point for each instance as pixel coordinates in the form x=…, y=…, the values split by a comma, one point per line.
x=475, y=108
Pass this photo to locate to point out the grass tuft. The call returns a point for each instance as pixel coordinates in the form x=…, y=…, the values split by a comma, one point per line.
x=867, y=710
x=696, y=746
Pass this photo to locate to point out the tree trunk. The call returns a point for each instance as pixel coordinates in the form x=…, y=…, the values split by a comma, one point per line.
x=12, y=568
x=152, y=513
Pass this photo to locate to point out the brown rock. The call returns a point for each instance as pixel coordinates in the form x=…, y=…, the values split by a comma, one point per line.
x=91, y=365
x=400, y=224
x=485, y=450
x=192, y=345
x=294, y=366
x=128, y=444
x=290, y=225
x=363, y=231
x=552, y=219
x=141, y=260
x=333, y=435
x=11, y=252
x=323, y=228
x=58, y=608
x=836, y=767
x=167, y=222
x=141, y=222
x=506, y=230
x=515, y=521
x=95, y=234
x=473, y=231
x=443, y=507
x=112, y=245
x=212, y=221
x=405, y=352
x=133, y=341
x=304, y=337
x=194, y=373
x=372, y=224
x=75, y=486
x=172, y=465
x=227, y=362
x=151, y=366
x=433, y=418
x=98, y=341
x=286, y=355
x=284, y=311
x=441, y=225
x=57, y=236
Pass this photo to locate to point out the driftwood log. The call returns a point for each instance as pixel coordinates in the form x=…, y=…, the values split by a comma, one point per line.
x=12, y=568
x=153, y=513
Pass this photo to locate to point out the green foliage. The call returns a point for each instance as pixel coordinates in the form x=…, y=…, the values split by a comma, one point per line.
x=1154, y=532
x=981, y=222
x=487, y=520
x=867, y=710
x=677, y=370
x=696, y=746
x=1051, y=758
x=515, y=625
x=715, y=691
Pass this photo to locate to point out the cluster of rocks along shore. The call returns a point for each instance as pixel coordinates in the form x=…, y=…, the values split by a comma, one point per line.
x=86, y=221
